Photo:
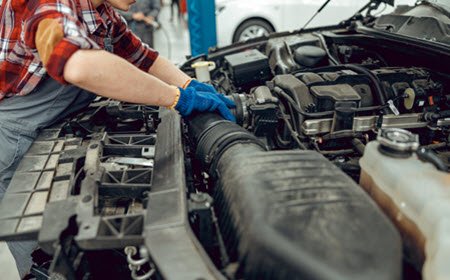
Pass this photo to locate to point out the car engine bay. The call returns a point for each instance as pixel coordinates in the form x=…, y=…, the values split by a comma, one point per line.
x=335, y=93
x=337, y=168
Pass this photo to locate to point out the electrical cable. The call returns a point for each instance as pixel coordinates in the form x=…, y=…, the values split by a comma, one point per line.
x=281, y=142
x=332, y=59
x=280, y=92
x=334, y=152
x=294, y=134
x=380, y=93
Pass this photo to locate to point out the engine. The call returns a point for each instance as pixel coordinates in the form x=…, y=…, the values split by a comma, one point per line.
x=342, y=102
x=298, y=97
x=292, y=95
x=336, y=110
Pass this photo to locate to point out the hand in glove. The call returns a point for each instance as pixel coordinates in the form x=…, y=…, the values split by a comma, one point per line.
x=208, y=88
x=204, y=87
x=191, y=100
x=200, y=86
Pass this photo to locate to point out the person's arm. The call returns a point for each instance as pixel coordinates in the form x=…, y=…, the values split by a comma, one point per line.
x=128, y=46
x=70, y=56
x=166, y=71
x=111, y=76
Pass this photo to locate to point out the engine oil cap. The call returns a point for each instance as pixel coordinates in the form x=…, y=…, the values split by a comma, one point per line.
x=397, y=142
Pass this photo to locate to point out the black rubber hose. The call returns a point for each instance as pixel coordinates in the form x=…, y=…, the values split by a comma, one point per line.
x=281, y=93
x=431, y=157
x=358, y=145
x=433, y=117
x=444, y=114
x=213, y=135
x=379, y=89
x=349, y=167
x=327, y=50
x=294, y=134
x=380, y=93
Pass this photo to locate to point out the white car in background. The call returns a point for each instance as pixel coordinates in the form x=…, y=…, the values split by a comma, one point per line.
x=239, y=20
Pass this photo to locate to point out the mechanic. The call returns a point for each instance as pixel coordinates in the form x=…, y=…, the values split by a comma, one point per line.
x=142, y=19
x=56, y=55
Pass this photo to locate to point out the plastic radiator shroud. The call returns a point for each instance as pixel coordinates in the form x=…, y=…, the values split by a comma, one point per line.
x=294, y=215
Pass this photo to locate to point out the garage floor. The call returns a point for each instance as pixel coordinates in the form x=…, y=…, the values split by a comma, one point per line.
x=178, y=37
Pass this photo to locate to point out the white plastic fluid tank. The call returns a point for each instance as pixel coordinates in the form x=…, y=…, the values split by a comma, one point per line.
x=415, y=195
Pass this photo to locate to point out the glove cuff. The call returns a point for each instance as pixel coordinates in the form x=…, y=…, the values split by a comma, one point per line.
x=175, y=101
x=183, y=103
x=187, y=83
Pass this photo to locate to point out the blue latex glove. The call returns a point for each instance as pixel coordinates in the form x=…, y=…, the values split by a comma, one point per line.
x=192, y=100
x=203, y=87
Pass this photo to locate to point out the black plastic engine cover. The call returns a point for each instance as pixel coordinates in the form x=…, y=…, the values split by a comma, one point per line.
x=294, y=215
x=248, y=67
x=327, y=95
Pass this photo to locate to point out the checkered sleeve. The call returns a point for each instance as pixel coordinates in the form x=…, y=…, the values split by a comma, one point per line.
x=75, y=35
x=130, y=47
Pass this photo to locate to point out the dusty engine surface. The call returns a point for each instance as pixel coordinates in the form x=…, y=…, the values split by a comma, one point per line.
x=325, y=93
x=348, y=98
x=345, y=102
x=320, y=91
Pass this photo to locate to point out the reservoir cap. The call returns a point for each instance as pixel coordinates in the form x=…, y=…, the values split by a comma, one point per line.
x=396, y=142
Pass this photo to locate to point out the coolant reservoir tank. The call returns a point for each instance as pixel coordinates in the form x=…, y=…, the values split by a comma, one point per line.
x=415, y=195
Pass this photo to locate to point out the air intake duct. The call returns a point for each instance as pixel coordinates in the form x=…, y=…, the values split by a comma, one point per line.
x=292, y=214
x=213, y=136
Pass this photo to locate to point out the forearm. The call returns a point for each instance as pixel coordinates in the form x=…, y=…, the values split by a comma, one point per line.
x=110, y=76
x=168, y=72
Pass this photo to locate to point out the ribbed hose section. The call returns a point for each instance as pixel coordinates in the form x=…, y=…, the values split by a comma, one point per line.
x=294, y=215
x=222, y=205
x=214, y=136
x=291, y=214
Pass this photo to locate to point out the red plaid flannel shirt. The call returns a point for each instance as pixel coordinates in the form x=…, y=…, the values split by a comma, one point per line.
x=84, y=27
